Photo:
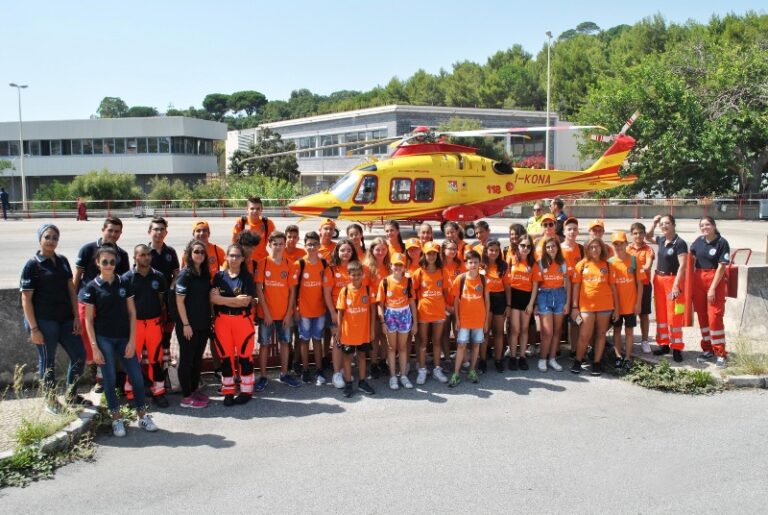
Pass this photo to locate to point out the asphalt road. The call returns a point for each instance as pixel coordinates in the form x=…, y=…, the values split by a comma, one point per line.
x=531, y=443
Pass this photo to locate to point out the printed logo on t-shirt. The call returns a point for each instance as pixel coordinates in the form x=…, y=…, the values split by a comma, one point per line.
x=338, y=274
x=478, y=288
x=155, y=285
x=727, y=256
x=349, y=302
x=284, y=275
x=439, y=283
x=712, y=252
x=168, y=257
x=670, y=251
x=121, y=292
x=424, y=284
x=603, y=270
x=365, y=299
x=389, y=293
x=306, y=275
x=268, y=273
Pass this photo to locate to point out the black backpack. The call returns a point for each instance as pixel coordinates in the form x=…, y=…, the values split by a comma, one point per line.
x=463, y=280
x=407, y=289
x=302, y=264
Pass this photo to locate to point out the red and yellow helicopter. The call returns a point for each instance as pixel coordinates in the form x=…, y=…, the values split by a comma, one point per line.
x=428, y=179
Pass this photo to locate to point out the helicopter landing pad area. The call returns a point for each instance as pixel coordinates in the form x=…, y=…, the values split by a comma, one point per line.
x=19, y=241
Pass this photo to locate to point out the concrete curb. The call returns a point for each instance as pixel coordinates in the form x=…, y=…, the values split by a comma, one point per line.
x=747, y=381
x=65, y=437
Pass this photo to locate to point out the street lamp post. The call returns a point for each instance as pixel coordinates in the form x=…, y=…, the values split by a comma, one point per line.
x=19, y=87
x=546, y=136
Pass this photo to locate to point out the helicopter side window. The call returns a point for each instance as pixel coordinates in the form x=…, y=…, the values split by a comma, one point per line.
x=400, y=190
x=366, y=192
x=423, y=190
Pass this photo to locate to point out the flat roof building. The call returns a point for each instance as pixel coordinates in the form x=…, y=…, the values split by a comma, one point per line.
x=320, y=168
x=62, y=149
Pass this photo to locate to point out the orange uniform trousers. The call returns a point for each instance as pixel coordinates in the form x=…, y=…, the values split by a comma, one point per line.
x=234, y=341
x=149, y=335
x=710, y=315
x=669, y=312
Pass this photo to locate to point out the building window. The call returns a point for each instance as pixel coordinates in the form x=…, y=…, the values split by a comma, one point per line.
x=98, y=146
x=306, y=143
x=32, y=148
x=77, y=147
x=423, y=190
x=109, y=146
x=3, y=148
x=381, y=149
x=366, y=192
x=130, y=146
x=45, y=147
x=141, y=145
x=55, y=147
x=165, y=144
x=208, y=147
x=330, y=139
x=87, y=147
x=66, y=147
x=400, y=190
x=152, y=145
x=119, y=145
x=177, y=145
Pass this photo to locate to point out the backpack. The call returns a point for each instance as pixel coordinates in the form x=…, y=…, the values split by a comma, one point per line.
x=632, y=265
x=302, y=264
x=463, y=280
x=343, y=294
x=406, y=290
x=244, y=221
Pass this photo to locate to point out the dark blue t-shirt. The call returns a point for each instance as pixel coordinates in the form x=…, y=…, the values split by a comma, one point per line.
x=86, y=259
x=708, y=255
x=166, y=261
x=667, y=261
x=49, y=279
x=232, y=287
x=146, y=292
x=110, y=301
x=195, y=290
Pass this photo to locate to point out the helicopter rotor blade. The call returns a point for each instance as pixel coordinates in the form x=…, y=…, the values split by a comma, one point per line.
x=629, y=123
x=368, y=144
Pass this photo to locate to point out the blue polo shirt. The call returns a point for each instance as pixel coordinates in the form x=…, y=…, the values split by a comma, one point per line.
x=166, y=261
x=86, y=259
x=667, y=261
x=232, y=287
x=49, y=279
x=111, y=303
x=146, y=292
x=708, y=255
x=195, y=290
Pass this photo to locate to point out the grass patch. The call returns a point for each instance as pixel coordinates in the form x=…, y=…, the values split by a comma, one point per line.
x=35, y=427
x=743, y=361
x=29, y=464
x=665, y=378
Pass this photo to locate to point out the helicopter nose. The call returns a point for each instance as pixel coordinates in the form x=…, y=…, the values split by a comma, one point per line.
x=319, y=204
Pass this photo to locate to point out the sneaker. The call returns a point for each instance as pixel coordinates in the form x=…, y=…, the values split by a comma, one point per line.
x=627, y=365
x=499, y=366
x=320, y=379
x=192, y=402
x=542, y=365
x=618, y=361
x=455, y=380
x=261, y=384
x=597, y=368
x=512, y=364
x=663, y=349
x=473, y=376
x=200, y=396
x=338, y=380
x=393, y=384
x=576, y=367
x=554, y=365
x=646, y=347
x=677, y=355
x=79, y=400
x=707, y=354
x=160, y=401
x=147, y=424
x=375, y=371
x=348, y=390
x=229, y=400
x=406, y=382
x=298, y=369
x=306, y=377
x=438, y=374
x=522, y=363
x=242, y=398
x=118, y=428
x=465, y=367
x=421, y=378
x=289, y=380
x=482, y=366
x=99, y=388
x=721, y=362
x=364, y=387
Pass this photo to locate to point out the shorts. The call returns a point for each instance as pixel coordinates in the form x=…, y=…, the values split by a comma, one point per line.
x=647, y=300
x=311, y=328
x=551, y=300
x=398, y=320
x=603, y=312
x=629, y=321
x=350, y=349
x=466, y=336
x=498, y=302
x=265, y=332
x=520, y=299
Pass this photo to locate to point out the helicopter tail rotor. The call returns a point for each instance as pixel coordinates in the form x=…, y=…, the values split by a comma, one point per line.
x=612, y=137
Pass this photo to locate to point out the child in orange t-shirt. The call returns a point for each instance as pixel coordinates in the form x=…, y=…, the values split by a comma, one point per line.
x=629, y=289
x=453, y=265
x=453, y=233
x=645, y=257
x=471, y=305
x=292, y=251
x=594, y=301
x=377, y=262
x=397, y=309
x=394, y=240
x=495, y=269
x=327, y=233
x=412, y=256
x=573, y=252
x=519, y=277
x=354, y=307
x=431, y=284
x=355, y=235
x=551, y=291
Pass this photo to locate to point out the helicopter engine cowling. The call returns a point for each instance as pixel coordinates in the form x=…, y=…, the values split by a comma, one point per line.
x=462, y=213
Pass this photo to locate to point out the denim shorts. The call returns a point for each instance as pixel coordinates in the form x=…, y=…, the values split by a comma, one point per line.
x=265, y=332
x=398, y=320
x=311, y=328
x=466, y=336
x=551, y=300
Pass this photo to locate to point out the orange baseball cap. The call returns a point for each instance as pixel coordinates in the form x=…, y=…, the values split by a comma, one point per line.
x=412, y=242
x=548, y=216
x=571, y=220
x=201, y=224
x=328, y=221
x=597, y=222
x=619, y=236
x=397, y=259
x=431, y=246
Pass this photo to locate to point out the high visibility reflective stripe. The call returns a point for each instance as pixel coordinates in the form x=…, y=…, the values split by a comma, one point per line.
x=246, y=383
x=662, y=325
x=717, y=333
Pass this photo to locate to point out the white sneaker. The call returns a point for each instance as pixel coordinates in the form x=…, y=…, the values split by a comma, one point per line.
x=554, y=365
x=118, y=428
x=338, y=380
x=542, y=365
x=147, y=424
x=393, y=383
x=721, y=362
x=406, y=382
x=421, y=378
x=646, y=347
x=438, y=374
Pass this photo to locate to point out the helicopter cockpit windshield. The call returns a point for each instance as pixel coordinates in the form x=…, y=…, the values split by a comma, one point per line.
x=344, y=187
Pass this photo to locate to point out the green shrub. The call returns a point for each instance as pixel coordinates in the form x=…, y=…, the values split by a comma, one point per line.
x=668, y=379
x=162, y=188
x=106, y=185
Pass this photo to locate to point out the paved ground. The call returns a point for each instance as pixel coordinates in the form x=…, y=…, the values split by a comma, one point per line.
x=532, y=442
x=19, y=240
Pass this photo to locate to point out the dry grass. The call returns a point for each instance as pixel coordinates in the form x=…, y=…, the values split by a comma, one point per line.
x=743, y=361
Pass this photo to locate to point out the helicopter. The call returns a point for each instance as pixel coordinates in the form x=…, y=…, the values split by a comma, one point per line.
x=426, y=178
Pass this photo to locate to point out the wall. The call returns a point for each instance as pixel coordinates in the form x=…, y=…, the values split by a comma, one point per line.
x=14, y=341
x=748, y=312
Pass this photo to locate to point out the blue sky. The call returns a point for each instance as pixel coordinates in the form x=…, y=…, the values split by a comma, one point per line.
x=72, y=54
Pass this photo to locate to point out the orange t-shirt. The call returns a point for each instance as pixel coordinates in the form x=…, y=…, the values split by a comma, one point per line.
x=412, y=269
x=643, y=255
x=430, y=294
x=395, y=248
x=276, y=280
x=375, y=279
x=293, y=255
x=493, y=281
x=337, y=277
x=625, y=280
x=356, y=304
x=260, y=251
x=310, y=302
x=472, y=309
x=452, y=271
x=572, y=256
x=553, y=277
x=520, y=277
x=595, y=293
x=360, y=253
x=396, y=296
x=326, y=251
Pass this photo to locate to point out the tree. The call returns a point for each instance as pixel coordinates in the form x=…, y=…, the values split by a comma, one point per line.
x=106, y=185
x=216, y=104
x=587, y=27
x=275, y=110
x=462, y=87
x=267, y=142
x=490, y=147
x=112, y=107
x=423, y=88
x=248, y=101
x=302, y=103
x=141, y=112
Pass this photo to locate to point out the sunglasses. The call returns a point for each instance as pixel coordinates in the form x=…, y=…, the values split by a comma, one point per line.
x=537, y=209
x=548, y=225
x=51, y=237
x=198, y=252
x=107, y=262
x=524, y=246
